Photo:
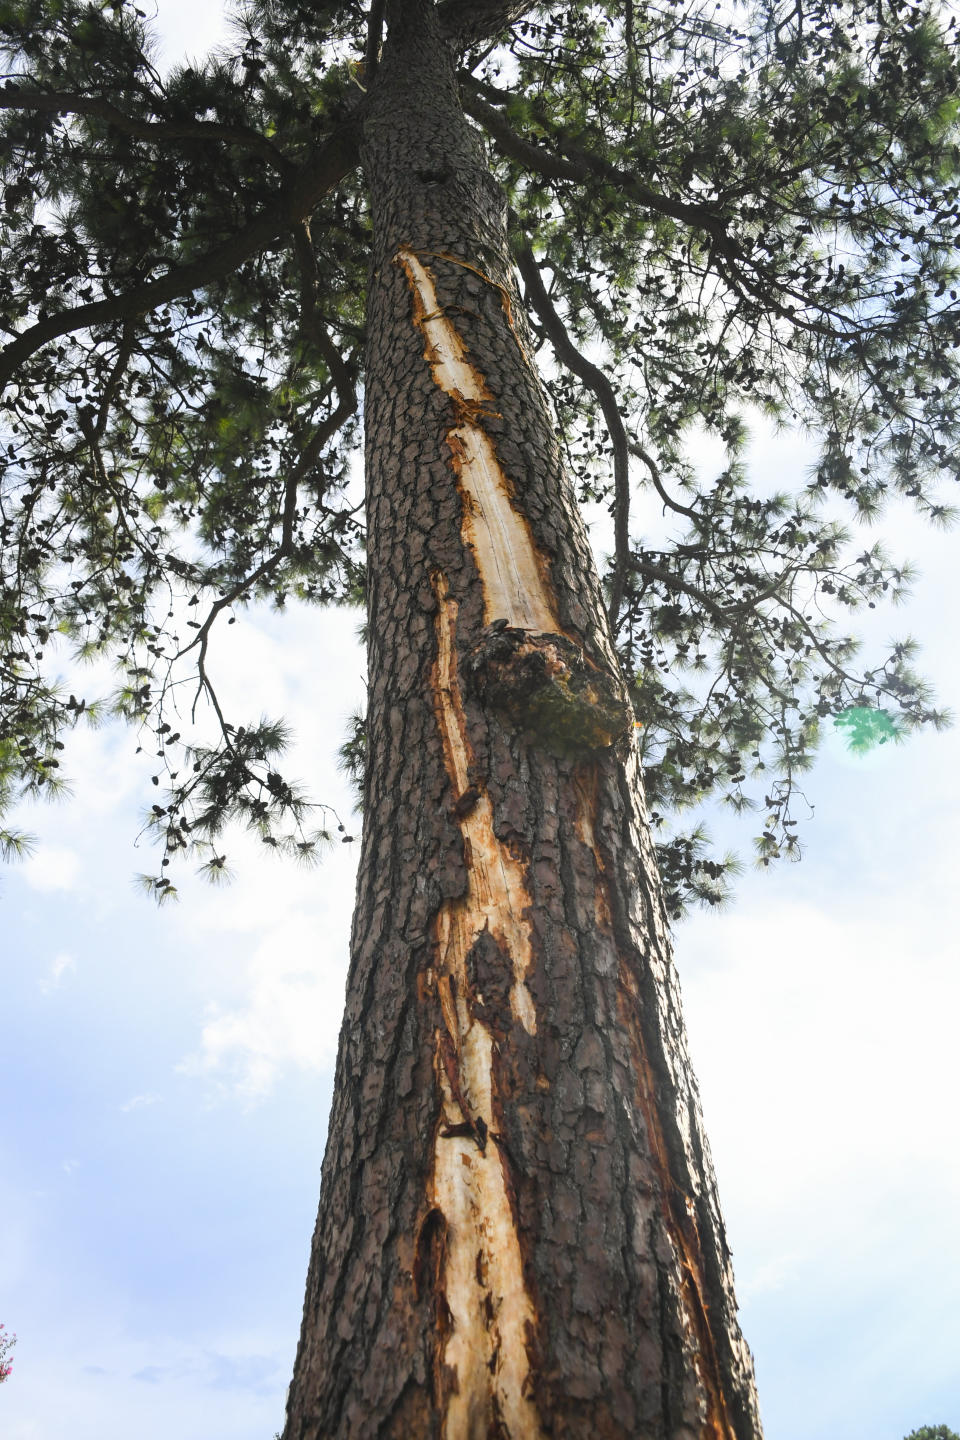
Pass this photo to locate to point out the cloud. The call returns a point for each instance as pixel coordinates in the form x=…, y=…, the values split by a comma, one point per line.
x=241, y=1372
x=84, y=1375
x=139, y=1102
x=62, y=962
x=825, y=1043
x=291, y=1017
x=153, y=1374
x=216, y=1371
x=52, y=868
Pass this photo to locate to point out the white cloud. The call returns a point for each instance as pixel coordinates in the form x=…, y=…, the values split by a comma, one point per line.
x=52, y=868
x=290, y=1017
x=61, y=963
x=92, y=1378
x=825, y=1043
x=139, y=1102
x=214, y=1370
x=188, y=30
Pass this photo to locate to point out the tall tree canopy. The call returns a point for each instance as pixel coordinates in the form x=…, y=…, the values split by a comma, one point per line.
x=716, y=211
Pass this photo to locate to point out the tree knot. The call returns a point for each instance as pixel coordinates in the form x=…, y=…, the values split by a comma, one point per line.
x=544, y=682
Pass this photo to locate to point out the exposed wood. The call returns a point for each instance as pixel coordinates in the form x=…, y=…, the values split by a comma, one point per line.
x=482, y=1272
x=498, y=534
x=497, y=900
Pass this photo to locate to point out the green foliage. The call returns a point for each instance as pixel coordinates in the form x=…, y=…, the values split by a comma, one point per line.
x=235, y=782
x=352, y=754
x=933, y=1432
x=747, y=212
x=692, y=874
x=734, y=211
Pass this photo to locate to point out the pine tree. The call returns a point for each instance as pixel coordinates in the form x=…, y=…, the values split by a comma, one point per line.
x=395, y=210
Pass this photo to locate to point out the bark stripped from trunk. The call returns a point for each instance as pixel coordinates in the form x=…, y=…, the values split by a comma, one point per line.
x=510, y=570
x=470, y=1190
x=518, y=1233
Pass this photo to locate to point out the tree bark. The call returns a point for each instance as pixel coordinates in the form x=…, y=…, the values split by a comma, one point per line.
x=519, y=1233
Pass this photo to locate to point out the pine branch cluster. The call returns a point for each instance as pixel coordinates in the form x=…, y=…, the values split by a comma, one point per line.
x=718, y=213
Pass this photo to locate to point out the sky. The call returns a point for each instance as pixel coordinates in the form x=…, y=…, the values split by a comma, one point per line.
x=165, y=1074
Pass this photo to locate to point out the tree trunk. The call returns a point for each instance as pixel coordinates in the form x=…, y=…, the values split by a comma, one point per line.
x=519, y=1233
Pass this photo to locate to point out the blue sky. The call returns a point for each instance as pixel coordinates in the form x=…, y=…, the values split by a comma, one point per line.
x=165, y=1075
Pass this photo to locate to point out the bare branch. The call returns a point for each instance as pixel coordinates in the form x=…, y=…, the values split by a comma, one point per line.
x=592, y=376
x=654, y=471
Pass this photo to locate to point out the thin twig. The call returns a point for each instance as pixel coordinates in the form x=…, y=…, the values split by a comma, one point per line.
x=637, y=449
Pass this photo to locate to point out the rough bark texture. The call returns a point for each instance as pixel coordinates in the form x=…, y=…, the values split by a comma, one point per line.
x=518, y=1234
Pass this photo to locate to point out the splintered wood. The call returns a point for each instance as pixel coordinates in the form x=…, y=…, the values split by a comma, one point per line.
x=514, y=588
x=497, y=897
x=484, y=1352
x=482, y=1274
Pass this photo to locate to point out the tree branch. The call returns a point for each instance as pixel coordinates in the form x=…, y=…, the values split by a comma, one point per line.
x=346, y=405
x=468, y=21
x=676, y=582
x=124, y=352
x=371, y=57
x=654, y=470
x=580, y=165
x=18, y=97
x=315, y=331
x=294, y=203
x=568, y=355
